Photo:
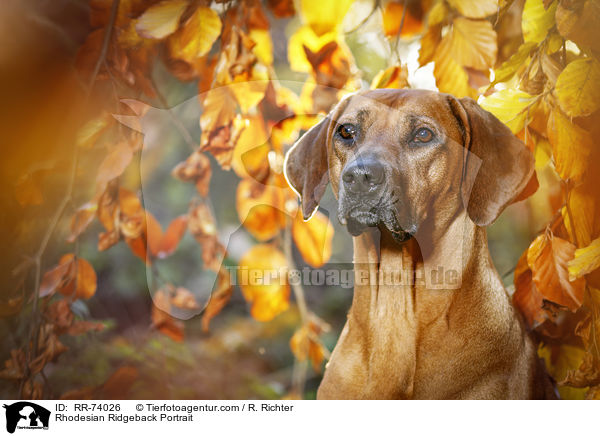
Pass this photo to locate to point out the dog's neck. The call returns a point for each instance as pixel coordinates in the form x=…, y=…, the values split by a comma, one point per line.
x=435, y=269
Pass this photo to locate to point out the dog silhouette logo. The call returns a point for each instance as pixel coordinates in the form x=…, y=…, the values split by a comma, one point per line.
x=26, y=415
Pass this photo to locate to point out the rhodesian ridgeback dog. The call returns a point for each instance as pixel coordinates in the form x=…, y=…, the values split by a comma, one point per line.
x=418, y=176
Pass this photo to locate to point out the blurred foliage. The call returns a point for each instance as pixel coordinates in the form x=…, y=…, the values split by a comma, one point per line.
x=146, y=143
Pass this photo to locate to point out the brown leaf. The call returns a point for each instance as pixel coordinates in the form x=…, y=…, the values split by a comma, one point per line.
x=82, y=279
x=219, y=298
x=526, y=298
x=55, y=278
x=161, y=318
x=196, y=168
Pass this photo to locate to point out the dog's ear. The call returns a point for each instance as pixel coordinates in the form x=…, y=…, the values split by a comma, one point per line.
x=305, y=166
x=503, y=168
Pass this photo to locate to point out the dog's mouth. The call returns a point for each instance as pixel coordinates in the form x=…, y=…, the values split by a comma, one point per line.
x=358, y=220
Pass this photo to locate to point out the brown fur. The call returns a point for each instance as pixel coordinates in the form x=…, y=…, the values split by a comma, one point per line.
x=410, y=340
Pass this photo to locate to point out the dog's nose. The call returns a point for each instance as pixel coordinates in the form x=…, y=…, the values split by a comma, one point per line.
x=363, y=175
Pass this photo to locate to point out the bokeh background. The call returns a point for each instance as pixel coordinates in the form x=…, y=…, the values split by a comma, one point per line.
x=53, y=88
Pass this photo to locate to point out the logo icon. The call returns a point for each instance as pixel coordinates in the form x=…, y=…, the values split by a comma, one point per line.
x=26, y=415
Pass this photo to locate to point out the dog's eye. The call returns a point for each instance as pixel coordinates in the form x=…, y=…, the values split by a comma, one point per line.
x=346, y=131
x=423, y=135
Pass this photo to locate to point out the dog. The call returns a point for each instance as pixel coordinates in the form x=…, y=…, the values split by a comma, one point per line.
x=418, y=175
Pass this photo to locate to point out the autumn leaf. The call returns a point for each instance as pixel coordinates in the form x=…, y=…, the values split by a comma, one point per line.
x=392, y=17
x=450, y=77
x=472, y=43
x=163, y=244
x=313, y=238
x=260, y=208
x=250, y=156
x=303, y=38
x=537, y=20
x=264, y=45
x=305, y=344
x=161, y=19
x=509, y=67
x=392, y=77
x=162, y=319
x=81, y=220
x=324, y=16
x=563, y=134
x=527, y=298
x=264, y=281
x=82, y=281
x=219, y=298
x=581, y=200
x=475, y=8
x=578, y=87
x=509, y=106
x=547, y=257
x=196, y=36
x=54, y=279
x=579, y=21
x=586, y=260
x=429, y=45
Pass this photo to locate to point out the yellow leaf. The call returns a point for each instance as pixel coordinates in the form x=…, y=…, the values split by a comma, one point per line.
x=263, y=279
x=324, y=16
x=561, y=360
x=475, y=8
x=473, y=43
x=260, y=208
x=450, y=77
x=313, y=238
x=571, y=146
x=249, y=93
x=250, y=155
x=305, y=36
x=161, y=19
x=195, y=38
x=537, y=20
x=437, y=14
x=578, y=87
x=264, y=45
x=509, y=67
x=582, y=204
x=392, y=77
x=509, y=106
x=429, y=44
x=586, y=260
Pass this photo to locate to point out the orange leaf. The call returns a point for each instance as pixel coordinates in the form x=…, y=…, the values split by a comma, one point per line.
x=548, y=261
x=170, y=239
x=313, y=238
x=55, y=278
x=218, y=298
x=392, y=17
x=162, y=320
x=196, y=168
x=526, y=298
x=83, y=282
x=260, y=208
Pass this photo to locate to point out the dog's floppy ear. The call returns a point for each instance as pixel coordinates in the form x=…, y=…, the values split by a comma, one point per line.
x=306, y=167
x=504, y=167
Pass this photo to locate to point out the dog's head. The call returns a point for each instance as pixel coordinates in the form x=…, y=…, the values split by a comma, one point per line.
x=402, y=158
